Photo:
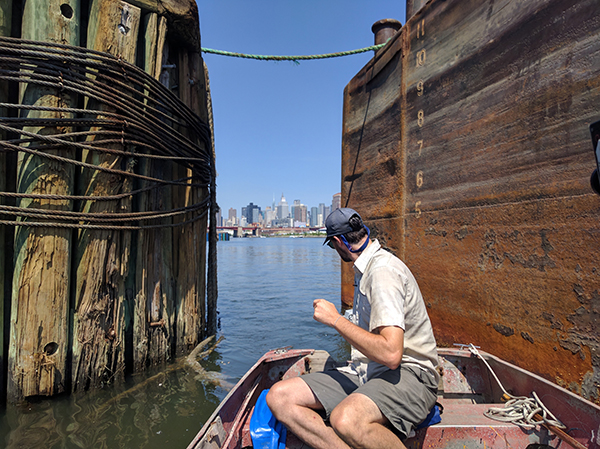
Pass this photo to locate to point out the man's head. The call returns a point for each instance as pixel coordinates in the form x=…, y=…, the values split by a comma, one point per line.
x=346, y=227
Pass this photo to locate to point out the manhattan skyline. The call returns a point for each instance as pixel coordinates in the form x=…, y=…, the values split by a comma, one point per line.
x=281, y=212
x=278, y=125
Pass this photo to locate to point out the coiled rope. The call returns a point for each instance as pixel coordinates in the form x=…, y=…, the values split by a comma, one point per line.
x=294, y=59
x=519, y=410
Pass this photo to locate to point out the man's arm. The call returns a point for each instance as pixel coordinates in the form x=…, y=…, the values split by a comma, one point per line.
x=383, y=345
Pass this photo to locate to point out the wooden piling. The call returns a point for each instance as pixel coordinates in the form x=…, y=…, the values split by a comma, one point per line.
x=153, y=317
x=5, y=30
x=40, y=298
x=88, y=303
x=212, y=290
x=103, y=257
x=190, y=308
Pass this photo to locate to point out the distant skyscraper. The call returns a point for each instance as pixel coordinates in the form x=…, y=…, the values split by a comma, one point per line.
x=270, y=215
x=299, y=212
x=232, y=214
x=283, y=209
x=252, y=213
x=314, y=217
x=336, y=201
x=295, y=204
x=219, y=220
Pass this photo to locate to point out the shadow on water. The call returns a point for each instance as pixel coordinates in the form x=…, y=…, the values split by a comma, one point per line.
x=266, y=292
x=147, y=411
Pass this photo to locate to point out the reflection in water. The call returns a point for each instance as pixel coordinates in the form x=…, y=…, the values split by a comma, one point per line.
x=169, y=408
x=266, y=291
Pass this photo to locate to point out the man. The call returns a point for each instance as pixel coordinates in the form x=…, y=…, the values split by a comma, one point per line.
x=391, y=382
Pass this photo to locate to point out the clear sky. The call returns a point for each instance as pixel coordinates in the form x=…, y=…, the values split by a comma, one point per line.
x=278, y=126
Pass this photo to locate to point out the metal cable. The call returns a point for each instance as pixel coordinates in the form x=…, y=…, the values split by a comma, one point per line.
x=116, y=217
x=33, y=224
x=120, y=196
x=128, y=114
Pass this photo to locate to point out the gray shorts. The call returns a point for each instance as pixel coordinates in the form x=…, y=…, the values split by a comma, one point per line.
x=404, y=395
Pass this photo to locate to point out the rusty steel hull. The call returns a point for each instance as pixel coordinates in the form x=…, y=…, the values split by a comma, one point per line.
x=467, y=151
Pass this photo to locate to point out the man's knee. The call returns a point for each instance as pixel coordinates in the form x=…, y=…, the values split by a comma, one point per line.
x=346, y=422
x=276, y=397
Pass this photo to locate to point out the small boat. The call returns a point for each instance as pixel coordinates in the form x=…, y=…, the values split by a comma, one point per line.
x=472, y=385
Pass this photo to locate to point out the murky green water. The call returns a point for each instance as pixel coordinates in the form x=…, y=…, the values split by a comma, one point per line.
x=266, y=288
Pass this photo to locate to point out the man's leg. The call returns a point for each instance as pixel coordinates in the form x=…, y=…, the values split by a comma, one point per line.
x=293, y=403
x=360, y=423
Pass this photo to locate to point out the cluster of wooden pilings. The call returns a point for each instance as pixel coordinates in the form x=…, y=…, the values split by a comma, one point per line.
x=106, y=188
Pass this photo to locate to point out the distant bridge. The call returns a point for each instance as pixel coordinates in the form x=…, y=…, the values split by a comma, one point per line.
x=255, y=230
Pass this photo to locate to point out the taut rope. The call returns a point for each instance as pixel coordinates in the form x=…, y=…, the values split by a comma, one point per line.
x=294, y=59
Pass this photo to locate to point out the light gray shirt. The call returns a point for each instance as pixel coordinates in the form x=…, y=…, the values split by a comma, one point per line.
x=386, y=294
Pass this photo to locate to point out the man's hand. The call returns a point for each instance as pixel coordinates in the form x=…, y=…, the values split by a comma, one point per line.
x=325, y=312
x=383, y=345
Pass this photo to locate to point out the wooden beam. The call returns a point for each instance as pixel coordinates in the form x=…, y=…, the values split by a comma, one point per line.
x=103, y=257
x=182, y=17
x=41, y=283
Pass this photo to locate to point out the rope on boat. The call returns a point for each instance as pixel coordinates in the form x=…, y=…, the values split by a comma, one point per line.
x=294, y=59
x=519, y=410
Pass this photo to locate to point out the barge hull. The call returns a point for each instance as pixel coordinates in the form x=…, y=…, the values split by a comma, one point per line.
x=466, y=148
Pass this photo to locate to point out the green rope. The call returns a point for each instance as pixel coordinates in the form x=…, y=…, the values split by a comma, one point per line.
x=295, y=59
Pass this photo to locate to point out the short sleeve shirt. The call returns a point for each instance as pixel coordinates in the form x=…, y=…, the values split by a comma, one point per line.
x=386, y=294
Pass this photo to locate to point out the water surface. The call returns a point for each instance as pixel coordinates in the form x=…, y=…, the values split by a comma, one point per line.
x=266, y=289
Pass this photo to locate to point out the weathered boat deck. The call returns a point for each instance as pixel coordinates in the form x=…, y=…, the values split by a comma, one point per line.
x=467, y=390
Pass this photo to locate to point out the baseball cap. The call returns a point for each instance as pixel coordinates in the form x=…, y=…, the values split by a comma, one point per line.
x=338, y=222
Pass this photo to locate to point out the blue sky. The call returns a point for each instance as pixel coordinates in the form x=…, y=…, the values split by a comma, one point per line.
x=278, y=126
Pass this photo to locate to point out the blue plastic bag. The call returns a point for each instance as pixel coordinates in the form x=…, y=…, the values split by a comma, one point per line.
x=265, y=430
x=434, y=417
